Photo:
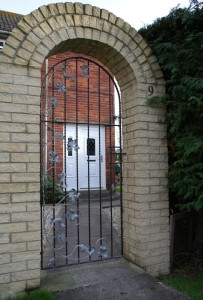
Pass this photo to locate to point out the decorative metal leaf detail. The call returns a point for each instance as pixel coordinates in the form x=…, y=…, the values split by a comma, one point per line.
x=52, y=262
x=56, y=134
x=85, y=71
x=58, y=221
x=61, y=87
x=103, y=250
x=73, y=195
x=54, y=101
x=62, y=180
x=72, y=144
x=62, y=237
x=68, y=76
x=72, y=215
x=54, y=157
x=87, y=249
x=62, y=176
x=103, y=253
x=45, y=112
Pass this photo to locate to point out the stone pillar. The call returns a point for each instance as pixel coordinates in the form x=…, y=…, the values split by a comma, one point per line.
x=145, y=193
x=19, y=179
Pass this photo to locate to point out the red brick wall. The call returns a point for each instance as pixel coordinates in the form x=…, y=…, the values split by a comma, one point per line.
x=94, y=101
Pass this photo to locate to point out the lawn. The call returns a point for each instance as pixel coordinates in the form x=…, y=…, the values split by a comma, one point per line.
x=190, y=285
x=35, y=295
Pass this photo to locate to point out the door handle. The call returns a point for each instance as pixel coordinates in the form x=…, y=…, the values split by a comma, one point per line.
x=101, y=158
x=91, y=160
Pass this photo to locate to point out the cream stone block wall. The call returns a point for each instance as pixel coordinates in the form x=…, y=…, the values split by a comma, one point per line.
x=19, y=165
x=146, y=240
x=96, y=32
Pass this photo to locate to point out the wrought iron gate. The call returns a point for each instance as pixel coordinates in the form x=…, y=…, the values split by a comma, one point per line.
x=81, y=167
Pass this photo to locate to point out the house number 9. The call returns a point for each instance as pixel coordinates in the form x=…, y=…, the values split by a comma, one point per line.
x=150, y=90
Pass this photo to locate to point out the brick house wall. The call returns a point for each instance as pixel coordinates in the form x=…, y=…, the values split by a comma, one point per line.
x=95, y=104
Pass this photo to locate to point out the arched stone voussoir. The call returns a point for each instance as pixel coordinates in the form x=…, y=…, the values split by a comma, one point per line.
x=53, y=9
x=69, y=21
x=45, y=11
x=50, y=28
x=105, y=53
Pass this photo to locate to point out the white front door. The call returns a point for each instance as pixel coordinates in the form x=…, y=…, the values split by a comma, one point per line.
x=88, y=168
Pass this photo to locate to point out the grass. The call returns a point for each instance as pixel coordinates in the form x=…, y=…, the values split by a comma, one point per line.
x=118, y=188
x=35, y=295
x=190, y=285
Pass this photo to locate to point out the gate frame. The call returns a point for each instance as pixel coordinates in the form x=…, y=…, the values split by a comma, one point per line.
x=100, y=34
x=50, y=117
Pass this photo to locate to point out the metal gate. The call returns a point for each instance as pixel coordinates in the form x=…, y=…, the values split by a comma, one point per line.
x=81, y=167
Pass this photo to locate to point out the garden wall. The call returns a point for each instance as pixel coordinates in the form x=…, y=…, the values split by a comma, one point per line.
x=99, y=34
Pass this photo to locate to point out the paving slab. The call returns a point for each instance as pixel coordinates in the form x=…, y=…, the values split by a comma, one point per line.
x=110, y=279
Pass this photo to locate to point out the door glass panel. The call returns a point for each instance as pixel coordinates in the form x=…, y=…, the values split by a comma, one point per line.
x=70, y=142
x=90, y=146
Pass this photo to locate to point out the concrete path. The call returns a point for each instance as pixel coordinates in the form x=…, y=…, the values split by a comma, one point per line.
x=112, y=279
x=89, y=233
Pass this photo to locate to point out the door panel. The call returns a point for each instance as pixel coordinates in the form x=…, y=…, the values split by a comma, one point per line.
x=91, y=169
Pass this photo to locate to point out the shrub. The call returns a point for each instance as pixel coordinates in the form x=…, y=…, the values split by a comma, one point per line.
x=51, y=192
x=177, y=41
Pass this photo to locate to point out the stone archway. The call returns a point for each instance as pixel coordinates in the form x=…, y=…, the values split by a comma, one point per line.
x=100, y=34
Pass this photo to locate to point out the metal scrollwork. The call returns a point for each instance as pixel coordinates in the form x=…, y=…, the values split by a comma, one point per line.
x=68, y=76
x=64, y=211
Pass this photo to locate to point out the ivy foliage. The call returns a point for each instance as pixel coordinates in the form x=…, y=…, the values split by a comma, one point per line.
x=177, y=41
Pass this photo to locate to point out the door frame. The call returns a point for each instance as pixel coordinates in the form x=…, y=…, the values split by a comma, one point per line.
x=100, y=155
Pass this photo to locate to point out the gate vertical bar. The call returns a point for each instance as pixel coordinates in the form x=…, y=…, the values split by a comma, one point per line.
x=111, y=164
x=53, y=164
x=99, y=108
x=88, y=163
x=41, y=182
x=77, y=171
x=64, y=163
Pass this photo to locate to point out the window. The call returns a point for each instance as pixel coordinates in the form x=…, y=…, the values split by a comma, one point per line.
x=70, y=146
x=91, y=147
